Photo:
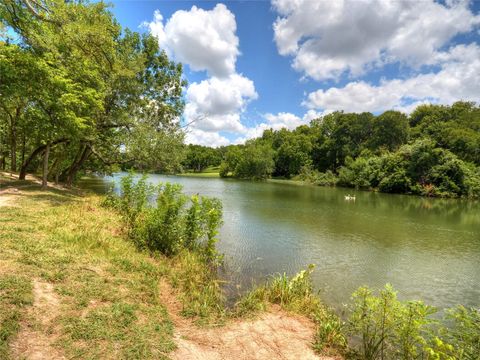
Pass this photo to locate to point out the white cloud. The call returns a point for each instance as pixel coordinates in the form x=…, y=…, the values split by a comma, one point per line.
x=216, y=104
x=205, y=138
x=330, y=38
x=207, y=40
x=457, y=79
x=203, y=39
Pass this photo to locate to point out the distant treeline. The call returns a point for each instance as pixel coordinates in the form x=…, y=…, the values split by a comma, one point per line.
x=435, y=151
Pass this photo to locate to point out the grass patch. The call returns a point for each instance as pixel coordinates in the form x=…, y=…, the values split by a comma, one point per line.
x=201, y=292
x=107, y=289
x=15, y=294
x=209, y=172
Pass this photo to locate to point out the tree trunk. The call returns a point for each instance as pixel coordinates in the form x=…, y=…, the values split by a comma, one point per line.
x=38, y=150
x=53, y=168
x=72, y=171
x=45, y=166
x=13, y=144
x=24, y=142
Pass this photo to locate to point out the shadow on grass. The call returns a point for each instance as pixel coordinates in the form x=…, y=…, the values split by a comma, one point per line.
x=52, y=198
x=34, y=191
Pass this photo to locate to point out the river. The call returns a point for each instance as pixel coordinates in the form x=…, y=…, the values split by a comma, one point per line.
x=428, y=249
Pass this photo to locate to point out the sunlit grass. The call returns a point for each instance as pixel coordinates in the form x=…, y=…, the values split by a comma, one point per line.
x=108, y=291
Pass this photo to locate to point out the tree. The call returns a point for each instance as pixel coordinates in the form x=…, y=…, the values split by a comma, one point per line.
x=107, y=93
x=255, y=162
x=390, y=130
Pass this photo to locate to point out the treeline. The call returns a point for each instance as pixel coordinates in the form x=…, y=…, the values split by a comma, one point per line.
x=77, y=91
x=435, y=151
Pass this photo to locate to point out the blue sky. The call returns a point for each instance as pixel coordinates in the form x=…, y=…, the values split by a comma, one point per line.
x=253, y=65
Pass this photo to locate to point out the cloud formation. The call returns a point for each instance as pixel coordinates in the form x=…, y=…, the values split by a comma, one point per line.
x=215, y=104
x=328, y=39
x=207, y=40
x=203, y=39
x=457, y=79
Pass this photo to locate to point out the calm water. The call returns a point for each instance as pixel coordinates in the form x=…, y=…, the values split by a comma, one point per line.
x=427, y=248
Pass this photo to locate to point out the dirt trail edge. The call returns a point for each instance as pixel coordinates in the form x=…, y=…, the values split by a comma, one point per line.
x=273, y=335
x=36, y=338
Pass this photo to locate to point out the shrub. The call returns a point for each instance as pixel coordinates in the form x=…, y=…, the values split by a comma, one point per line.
x=464, y=334
x=162, y=228
x=203, y=219
x=387, y=328
x=327, y=178
x=171, y=225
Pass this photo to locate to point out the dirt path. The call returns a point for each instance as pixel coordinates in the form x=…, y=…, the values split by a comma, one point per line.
x=36, y=338
x=274, y=335
x=7, y=196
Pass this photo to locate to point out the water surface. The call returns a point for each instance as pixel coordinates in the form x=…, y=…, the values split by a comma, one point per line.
x=427, y=249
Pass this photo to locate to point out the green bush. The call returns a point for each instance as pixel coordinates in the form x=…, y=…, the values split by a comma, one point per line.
x=171, y=225
x=382, y=327
x=464, y=334
x=327, y=178
x=418, y=168
x=162, y=228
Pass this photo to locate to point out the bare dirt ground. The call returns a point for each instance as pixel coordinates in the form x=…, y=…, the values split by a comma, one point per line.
x=7, y=197
x=36, y=338
x=273, y=335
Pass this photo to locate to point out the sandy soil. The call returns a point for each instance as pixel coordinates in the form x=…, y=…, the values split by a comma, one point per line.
x=7, y=196
x=273, y=335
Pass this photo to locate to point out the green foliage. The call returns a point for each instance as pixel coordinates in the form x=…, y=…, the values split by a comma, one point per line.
x=433, y=152
x=252, y=161
x=170, y=225
x=76, y=80
x=161, y=228
x=418, y=168
x=312, y=176
x=390, y=130
x=464, y=334
x=382, y=327
x=198, y=158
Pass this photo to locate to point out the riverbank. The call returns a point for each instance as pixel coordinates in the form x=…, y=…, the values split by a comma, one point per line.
x=209, y=172
x=73, y=286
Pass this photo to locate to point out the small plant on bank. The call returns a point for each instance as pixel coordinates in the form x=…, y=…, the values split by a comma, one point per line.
x=171, y=225
x=382, y=327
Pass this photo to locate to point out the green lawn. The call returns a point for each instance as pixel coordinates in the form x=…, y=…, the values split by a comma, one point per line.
x=210, y=172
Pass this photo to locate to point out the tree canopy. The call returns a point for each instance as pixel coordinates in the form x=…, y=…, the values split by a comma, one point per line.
x=75, y=81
